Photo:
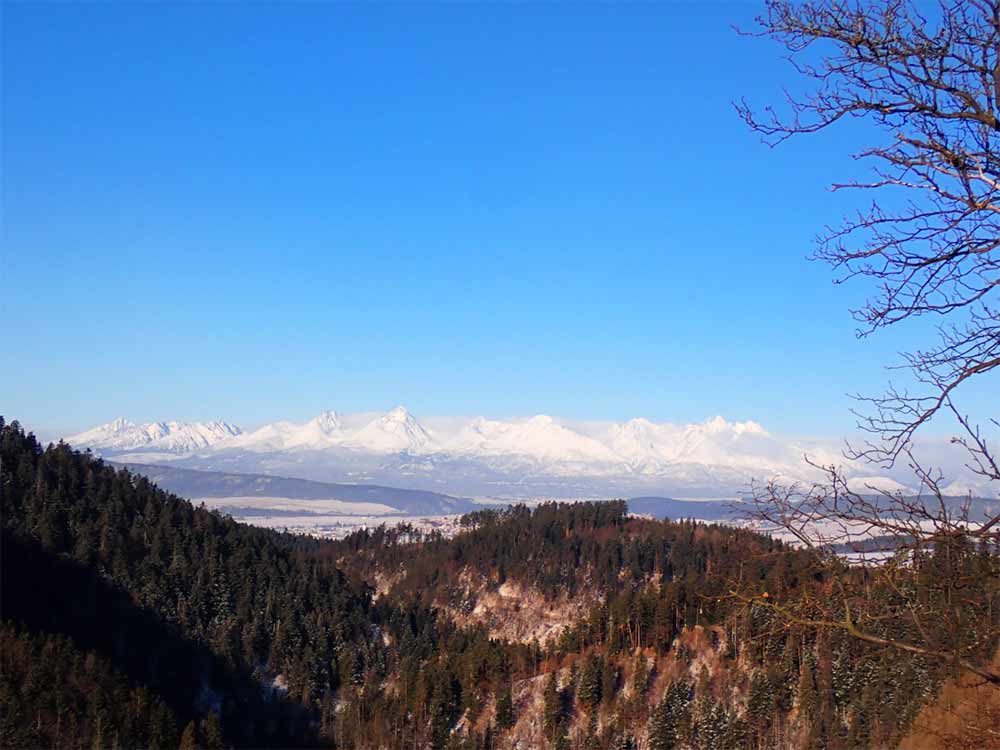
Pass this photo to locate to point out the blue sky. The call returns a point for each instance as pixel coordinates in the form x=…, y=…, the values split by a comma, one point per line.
x=258, y=211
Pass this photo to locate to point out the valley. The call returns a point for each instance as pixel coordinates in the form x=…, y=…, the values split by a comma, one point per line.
x=333, y=510
x=562, y=625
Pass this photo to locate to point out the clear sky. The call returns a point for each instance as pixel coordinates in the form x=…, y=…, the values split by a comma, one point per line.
x=253, y=212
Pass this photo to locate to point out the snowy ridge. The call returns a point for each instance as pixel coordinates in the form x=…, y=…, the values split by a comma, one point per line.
x=174, y=437
x=634, y=445
x=539, y=454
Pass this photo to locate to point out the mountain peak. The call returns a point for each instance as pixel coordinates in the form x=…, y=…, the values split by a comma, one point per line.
x=121, y=435
x=717, y=423
x=635, y=426
x=399, y=414
x=327, y=421
x=396, y=431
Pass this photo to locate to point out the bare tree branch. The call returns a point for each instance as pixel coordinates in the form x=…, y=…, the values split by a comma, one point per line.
x=932, y=90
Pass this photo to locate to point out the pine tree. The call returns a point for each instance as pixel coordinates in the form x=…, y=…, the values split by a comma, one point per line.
x=213, y=732
x=806, y=695
x=760, y=703
x=609, y=681
x=444, y=707
x=553, y=707
x=669, y=717
x=712, y=725
x=662, y=732
x=589, y=692
x=505, y=708
x=640, y=675
x=189, y=738
x=162, y=730
x=591, y=740
x=734, y=736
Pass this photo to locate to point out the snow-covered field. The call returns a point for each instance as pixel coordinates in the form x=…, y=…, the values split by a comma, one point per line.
x=337, y=527
x=328, y=519
x=335, y=519
x=252, y=505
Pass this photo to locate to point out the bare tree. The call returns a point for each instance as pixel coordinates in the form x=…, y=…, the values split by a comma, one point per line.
x=929, y=84
x=913, y=574
x=933, y=89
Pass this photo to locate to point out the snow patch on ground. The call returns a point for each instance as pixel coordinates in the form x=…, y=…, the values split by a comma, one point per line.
x=292, y=505
x=517, y=612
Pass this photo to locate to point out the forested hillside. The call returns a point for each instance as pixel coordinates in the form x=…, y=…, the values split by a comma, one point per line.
x=190, y=605
x=132, y=619
x=663, y=656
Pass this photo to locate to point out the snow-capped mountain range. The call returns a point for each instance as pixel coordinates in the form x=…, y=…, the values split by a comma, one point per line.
x=637, y=445
x=529, y=456
x=174, y=437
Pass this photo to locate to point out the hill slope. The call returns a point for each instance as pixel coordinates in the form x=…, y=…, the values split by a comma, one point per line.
x=193, y=483
x=249, y=637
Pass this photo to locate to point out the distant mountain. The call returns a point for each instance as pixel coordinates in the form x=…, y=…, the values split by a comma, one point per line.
x=523, y=457
x=635, y=445
x=174, y=437
x=190, y=483
x=731, y=510
x=669, y=508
